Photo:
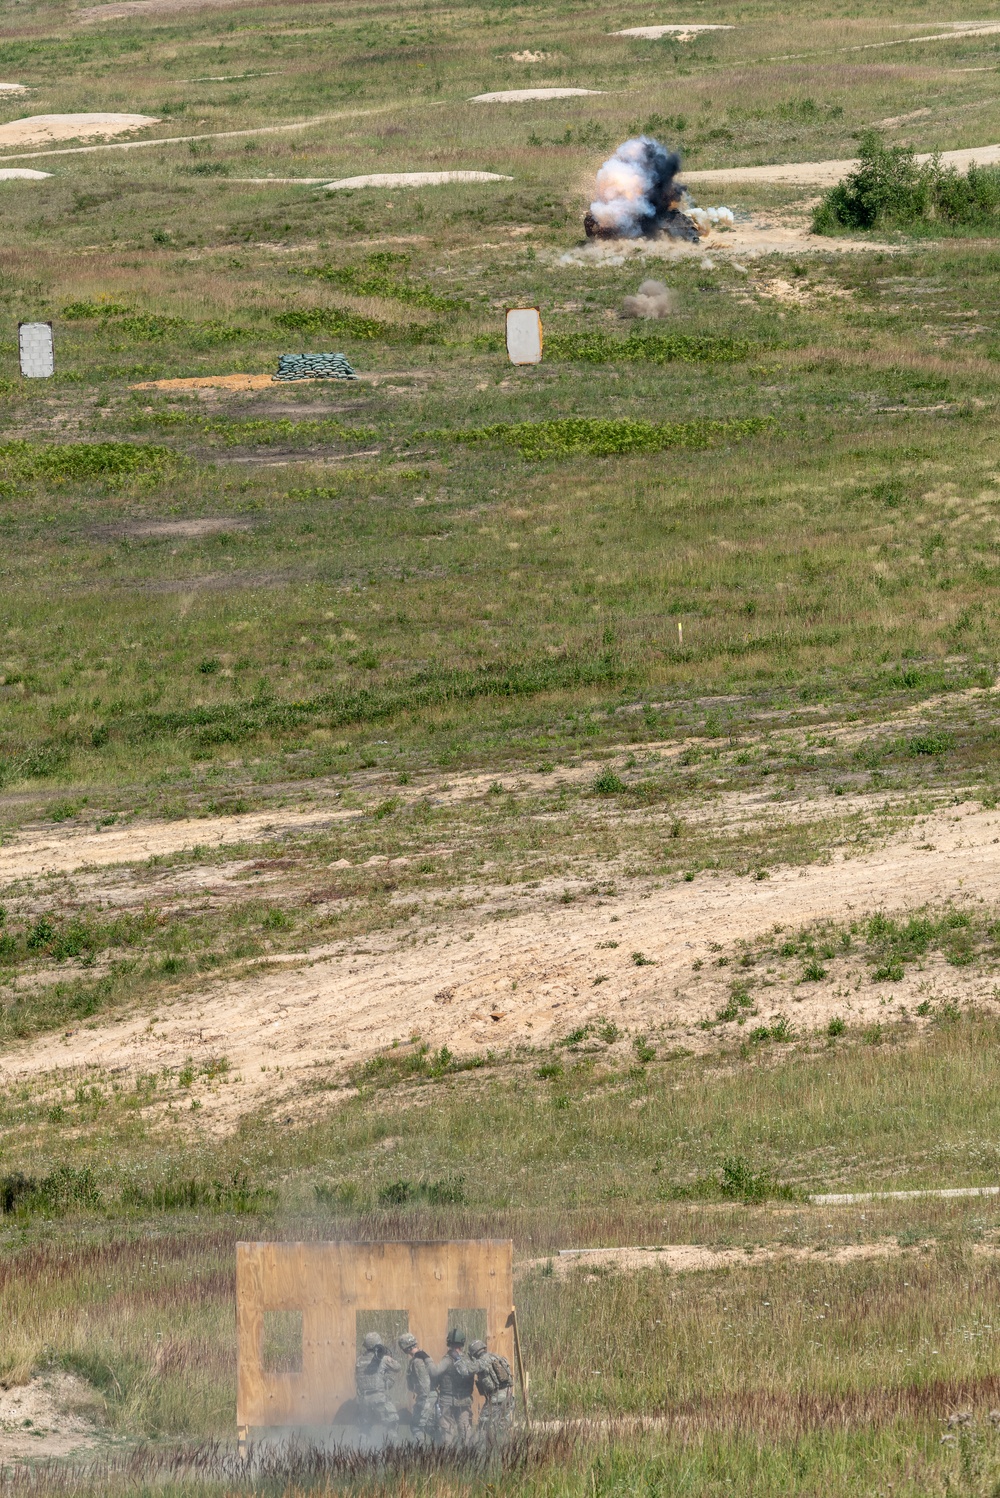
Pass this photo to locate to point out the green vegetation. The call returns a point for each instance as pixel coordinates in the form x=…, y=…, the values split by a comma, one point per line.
x=603, y=438
x=649, y=348
x=76, y=463
x=335, y=320
x=890, y=189
x=563, y=663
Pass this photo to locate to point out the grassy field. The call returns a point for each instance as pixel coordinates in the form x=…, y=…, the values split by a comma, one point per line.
x=692, y=605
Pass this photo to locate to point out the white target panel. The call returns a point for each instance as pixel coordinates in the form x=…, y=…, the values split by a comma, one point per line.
x=35, y=346
x=524, y=335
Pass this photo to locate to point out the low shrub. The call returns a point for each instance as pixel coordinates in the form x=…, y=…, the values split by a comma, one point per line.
x=607, y=783
x=54, y=1194
x=889, y=189
x=444, y=1193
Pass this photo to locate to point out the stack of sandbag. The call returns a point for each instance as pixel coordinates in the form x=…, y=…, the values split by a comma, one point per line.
x=314, y=367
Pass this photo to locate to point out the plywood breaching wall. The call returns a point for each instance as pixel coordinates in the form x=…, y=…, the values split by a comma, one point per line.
x=329, y=1283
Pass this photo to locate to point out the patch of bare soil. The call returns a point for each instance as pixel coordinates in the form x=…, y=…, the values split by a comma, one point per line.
x=40, y=129
x=688, y=1258
x=186, y=530
x=517, y=966
x=64, y=849
x=118, y=11
x=206, y=382
x=774, y=233
x=51, y=1416
x=419, y=179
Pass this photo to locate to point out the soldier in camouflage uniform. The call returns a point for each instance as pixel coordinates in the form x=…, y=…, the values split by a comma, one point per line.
x=495, y=1382
x=455, y=1377
x=420, y=1382
x=374, y=1376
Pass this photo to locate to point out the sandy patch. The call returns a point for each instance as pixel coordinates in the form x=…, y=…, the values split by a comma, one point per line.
x=798, y=293
x=61, y=851
x=178, y=140
x=525, y=95
x=530, y=56
x=829, y=173
x=496, y=973
x=39, y=129
x=119, y=11
x=904, y=119
x=414, y=179
x=187, y=530
x=679, y=29
x=283, y=181
x=12, y=88
x=49, y=1417
x=746, y=241
x=21, y=174
x=691, y=1258
x=213, y=382
x=853, y=1198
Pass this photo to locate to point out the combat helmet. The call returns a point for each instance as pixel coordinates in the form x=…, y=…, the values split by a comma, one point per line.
x=407, y=1342
x=477, y=1349
x=373, y=1340
x=455, y=1338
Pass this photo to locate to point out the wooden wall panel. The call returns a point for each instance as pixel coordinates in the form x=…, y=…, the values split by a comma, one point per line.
x=329, y=1283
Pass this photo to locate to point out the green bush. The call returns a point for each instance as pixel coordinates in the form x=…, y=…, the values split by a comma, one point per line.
x=889, y=189
x=607, y=783
x=60, y=1191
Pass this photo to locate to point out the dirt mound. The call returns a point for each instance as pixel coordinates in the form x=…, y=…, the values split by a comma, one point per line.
x=51, y=1416
x=413, y=179
x=680, y=30
x=525, y=95
x=40, y=129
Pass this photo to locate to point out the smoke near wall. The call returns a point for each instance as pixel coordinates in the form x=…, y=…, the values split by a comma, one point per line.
x=637, y=195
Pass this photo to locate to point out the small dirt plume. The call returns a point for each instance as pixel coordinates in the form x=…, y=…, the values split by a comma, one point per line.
x=652, y=300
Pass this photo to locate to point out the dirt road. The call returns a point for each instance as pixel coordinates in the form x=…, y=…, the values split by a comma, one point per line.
x=828, y=173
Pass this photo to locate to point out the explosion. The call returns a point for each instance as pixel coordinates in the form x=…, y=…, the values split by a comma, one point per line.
x=638, y=194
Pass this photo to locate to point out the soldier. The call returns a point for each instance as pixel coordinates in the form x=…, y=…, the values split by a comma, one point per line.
x=374, y=1375
x=495, y=1382
x=455, y=1376
x=420, y=1382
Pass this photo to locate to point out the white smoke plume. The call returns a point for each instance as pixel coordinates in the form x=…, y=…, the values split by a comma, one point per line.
x=637, y=194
